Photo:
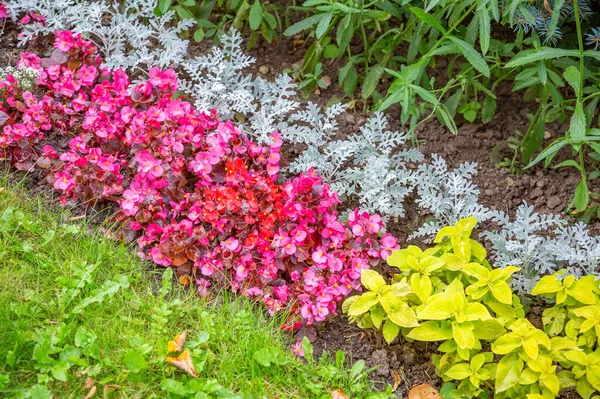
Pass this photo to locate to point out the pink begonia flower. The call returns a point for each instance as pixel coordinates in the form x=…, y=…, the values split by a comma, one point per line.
x=157, y=256
x=241, y=272
x=63, y=181
x=282, y=293
x=319, y=256
x=231, y=244
x=3, y=12
x=254, y=291
x=388, y=244
x=203, y=286
x=130, y=200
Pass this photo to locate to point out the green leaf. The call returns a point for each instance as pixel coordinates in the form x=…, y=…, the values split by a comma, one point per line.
x=363, y=304
x=372, y=280
x=459, y=371
x=463, y=335
x=84, y=337
x=542, y=53
x=199, y=35
x=484, y=30
x=303, y=25
x=430, y=331
x=60, y=371
x=390, y=331
x=323, y=25
x=255, y=16
x=571, y=75
x=172, y=386
x=427, y=18
x=270, y=355
x=582, y=195
x=578, y=125
x=403, y=316
x=547, y=285
x=474, y=58
x=437, y=309
x=372, y=80
x=549, y=152
x=424, y=94
x=40, y=392
x=489, y=109
x=134, y=361
x=508, y=372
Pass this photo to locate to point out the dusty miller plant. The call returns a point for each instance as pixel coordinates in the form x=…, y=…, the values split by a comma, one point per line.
x=371, y=165
x=524, y=242
x=576, y=250
x=449, y=195
x=128, y=35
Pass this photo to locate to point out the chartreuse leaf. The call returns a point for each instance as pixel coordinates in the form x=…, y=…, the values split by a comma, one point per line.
x=508, y=372
x=431, y=331
x=390, y=331
x=363, y=303
x=372, y=280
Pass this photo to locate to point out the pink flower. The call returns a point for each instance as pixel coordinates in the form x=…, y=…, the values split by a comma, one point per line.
x=297, y=349
x=231, y=244
x=388, y=244
x=63, y=181
x=157, y=257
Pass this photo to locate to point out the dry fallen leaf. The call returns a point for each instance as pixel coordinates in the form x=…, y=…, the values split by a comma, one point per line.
x=107, y=389
x=183, y=362
x=185, y=279
x=338, y=394
x=89, y=383
x=424, y=391
x=397, y=380
x=91, y=393
x=176, y=345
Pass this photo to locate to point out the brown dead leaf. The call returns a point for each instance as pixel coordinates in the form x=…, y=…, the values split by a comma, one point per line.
x=91, y=393
x=338, y=394
x=362, y=335
x=185, y=279
x=89, y=383
x=107, y=389
x=80, y=373
x=397, y=380
x=424, y=391
x=176, y=345
x=183, y=362
x=2, y=189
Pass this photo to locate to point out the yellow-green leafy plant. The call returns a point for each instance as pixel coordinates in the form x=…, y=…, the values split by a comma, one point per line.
x=450, y=294
x=574, y=318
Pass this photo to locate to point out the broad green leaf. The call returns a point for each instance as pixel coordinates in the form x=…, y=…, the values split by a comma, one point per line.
x=134, y=361
x=582, y=195
x=40, y=392
x=463, y=335
x=547, y=285
x=363, y=304
x=255, y=16
x=506, y=344
x=502, y=292
x=578, y=125
x=474, y=58
x=437, y=309
x=508, y=371
x=488, y=329
x=571, y=75
x=430, y=331
x=372, y=280
x=390, y=331
x=543, y=53
x=488, y=110
x=372, y=80
x=477, y=311
x=459, y=371
x=404, y=316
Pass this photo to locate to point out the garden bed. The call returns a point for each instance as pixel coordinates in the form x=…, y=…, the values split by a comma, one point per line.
x=549, y=190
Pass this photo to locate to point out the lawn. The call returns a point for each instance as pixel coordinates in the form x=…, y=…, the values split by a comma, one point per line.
x=83, y=314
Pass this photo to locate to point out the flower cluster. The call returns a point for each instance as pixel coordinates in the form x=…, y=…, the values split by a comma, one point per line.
x=193, y=191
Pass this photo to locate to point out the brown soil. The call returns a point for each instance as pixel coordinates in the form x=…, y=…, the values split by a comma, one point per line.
x=548, y=189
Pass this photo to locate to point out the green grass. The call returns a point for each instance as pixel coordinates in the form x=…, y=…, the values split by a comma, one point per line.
x=75, y=305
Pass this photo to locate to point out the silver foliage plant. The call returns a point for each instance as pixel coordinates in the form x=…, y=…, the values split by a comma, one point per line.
x=128, y=36
x=449, y=195
x=371, y=166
